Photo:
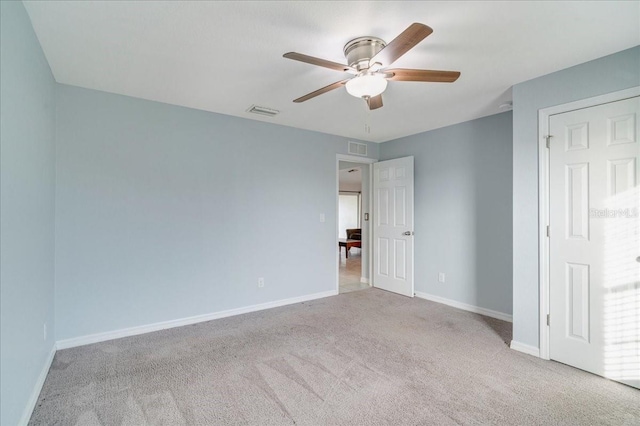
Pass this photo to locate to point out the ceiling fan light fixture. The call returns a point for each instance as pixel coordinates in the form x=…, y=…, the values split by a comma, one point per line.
x=366, y=85
x=369, y=59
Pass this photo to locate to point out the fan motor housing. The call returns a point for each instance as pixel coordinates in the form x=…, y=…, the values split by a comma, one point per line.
x=360, y=50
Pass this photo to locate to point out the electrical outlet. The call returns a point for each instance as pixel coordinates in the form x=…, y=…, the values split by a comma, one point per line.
x=441, y=277
x=45, y=332
x=322, y=218
x=260, y=282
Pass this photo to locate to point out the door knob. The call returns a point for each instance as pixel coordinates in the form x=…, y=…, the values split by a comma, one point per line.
x=638, y=259
x=409, y=233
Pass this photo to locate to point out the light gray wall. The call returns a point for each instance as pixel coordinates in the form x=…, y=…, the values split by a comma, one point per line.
x=27, y=150
x=609, y=74
x=463, y=210
x=165, y=212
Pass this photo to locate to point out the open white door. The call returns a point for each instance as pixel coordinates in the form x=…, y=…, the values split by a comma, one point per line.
x=393, y=225
x=594, y=240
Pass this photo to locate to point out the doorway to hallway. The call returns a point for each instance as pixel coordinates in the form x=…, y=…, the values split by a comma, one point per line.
x=353, y=212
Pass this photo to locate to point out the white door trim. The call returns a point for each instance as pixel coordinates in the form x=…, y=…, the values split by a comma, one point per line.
x=368, y=162
x=543, y=198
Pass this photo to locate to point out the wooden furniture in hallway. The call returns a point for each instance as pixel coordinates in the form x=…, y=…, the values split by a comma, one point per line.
x=347, y=244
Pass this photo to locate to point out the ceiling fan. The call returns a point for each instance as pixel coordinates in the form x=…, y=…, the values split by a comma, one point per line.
x=368, y=59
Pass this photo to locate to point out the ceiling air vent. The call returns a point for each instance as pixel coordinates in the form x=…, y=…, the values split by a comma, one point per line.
x=269, y=112
x=356, y=148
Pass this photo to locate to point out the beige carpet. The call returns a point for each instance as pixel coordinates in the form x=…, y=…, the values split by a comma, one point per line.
x=362, y=358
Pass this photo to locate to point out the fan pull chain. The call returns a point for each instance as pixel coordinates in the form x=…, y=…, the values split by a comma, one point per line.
x=367, y=121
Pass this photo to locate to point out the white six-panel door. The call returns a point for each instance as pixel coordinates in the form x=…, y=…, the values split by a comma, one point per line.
x=393, y=225
x=594, y=240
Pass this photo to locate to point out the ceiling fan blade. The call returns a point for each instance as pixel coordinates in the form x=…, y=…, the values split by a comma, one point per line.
x=375, y=102
x=319, y=92
x=434, y=76
x=319, y=62
x=401, y=44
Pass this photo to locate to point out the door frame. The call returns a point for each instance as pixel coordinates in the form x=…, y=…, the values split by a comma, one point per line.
x=365, y=161
x=544, y=258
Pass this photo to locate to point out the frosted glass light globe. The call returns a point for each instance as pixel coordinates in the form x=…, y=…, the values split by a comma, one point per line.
x=366, y=85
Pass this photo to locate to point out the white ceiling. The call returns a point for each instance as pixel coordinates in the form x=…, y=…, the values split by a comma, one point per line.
x=352, y=180
x=225, y=56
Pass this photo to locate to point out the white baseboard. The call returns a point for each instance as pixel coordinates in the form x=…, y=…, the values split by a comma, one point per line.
x=133, y=331
x=471, y=308
x=364, y=280
x=35, y=394
x=527, y=349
